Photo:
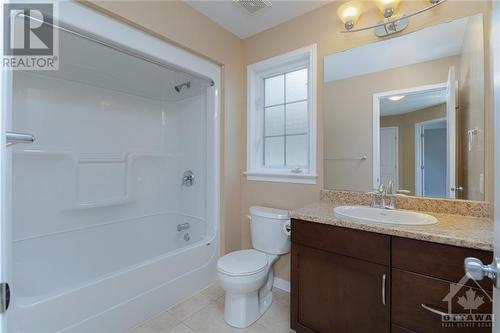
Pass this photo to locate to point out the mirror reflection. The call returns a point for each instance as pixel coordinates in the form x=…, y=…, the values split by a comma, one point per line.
x=427, y=113
x=413, y=144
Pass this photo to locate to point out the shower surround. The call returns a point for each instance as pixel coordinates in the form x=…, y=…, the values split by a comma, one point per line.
x=105, y=232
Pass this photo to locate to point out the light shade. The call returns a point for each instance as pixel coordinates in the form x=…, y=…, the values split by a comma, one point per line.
x=350, y=12
x=387, y=7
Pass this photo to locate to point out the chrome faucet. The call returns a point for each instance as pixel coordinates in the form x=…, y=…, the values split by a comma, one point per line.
x=188, y=178
x=382, y=192
x=379, y=192
x=392, y=192
x=183, y=226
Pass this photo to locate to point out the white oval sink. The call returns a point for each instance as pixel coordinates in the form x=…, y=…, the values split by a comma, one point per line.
x=379, y=215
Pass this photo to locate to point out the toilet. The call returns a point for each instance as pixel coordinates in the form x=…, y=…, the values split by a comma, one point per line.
x=247, y=275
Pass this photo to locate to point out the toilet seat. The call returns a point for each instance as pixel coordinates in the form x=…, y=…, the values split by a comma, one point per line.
x=242, y=263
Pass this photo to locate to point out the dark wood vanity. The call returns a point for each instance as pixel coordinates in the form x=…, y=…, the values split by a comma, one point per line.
x=353, y=281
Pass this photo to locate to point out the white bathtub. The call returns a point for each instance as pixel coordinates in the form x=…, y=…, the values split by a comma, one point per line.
x=118, y=301
x=115, y=247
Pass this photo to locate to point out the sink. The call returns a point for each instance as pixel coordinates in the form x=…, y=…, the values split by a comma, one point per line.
x=380, y=215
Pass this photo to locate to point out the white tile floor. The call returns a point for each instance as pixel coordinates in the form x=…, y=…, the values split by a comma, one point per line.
x=204, y=313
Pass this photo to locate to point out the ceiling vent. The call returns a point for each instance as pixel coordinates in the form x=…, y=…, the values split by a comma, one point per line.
x=253, y=6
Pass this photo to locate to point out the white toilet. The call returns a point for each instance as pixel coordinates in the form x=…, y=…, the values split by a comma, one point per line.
x=247, y=275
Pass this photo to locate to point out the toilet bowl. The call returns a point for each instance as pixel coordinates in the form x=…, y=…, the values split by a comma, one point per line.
x=247, y=275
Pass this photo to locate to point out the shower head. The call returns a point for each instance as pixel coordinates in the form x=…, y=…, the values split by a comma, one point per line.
x=181, y=86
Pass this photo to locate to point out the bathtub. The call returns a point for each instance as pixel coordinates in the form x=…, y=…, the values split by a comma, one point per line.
x=126, y=296
x=116, y=247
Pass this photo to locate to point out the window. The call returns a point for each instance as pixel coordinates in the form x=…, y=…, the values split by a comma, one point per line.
x=281, y=142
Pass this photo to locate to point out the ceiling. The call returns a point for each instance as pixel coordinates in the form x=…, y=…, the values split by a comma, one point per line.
x=232, y=17
x=439, y=41
x=412, y=102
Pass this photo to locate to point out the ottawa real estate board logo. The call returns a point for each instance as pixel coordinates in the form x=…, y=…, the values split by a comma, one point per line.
x=469, y=306
x=30, y=38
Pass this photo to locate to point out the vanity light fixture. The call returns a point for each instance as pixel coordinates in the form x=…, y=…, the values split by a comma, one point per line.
x=350, y=12
x=396, y=98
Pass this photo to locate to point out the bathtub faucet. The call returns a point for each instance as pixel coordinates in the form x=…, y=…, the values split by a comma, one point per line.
x=182, y=226
x=188, y=178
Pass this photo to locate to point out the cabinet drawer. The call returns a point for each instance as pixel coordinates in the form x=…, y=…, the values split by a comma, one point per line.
x=436, y=260
x=363, y=245
x=411, y=290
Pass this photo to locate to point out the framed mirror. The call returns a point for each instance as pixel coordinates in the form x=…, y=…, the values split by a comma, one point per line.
x=422, y=96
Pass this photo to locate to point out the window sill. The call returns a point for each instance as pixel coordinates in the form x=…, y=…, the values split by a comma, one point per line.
x=281, y=177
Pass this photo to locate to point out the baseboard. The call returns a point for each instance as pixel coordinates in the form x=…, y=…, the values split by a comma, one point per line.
x=281, y=284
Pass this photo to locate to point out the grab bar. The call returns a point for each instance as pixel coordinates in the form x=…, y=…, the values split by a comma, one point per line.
x=182, y=226
x=13, y=138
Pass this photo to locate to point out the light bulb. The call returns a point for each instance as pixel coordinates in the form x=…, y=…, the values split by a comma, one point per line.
x=350, y=12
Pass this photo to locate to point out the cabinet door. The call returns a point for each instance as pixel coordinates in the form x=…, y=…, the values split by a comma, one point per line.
x=338, y=294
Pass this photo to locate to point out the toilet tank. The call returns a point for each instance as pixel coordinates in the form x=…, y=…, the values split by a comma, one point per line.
x=268, y=230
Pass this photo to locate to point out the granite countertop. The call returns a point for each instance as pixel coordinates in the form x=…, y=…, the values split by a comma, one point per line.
x=464, y=231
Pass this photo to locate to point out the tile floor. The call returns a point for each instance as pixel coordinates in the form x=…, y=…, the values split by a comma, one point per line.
x=204, y=313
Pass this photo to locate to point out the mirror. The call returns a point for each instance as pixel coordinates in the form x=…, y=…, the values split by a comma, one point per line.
x=409, y=109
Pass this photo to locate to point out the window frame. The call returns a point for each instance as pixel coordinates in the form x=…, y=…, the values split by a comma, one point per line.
x=256, y=73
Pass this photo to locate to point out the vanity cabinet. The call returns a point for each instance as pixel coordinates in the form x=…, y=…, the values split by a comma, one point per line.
x=346, y=280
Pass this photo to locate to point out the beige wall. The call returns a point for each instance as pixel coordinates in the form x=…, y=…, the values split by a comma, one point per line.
x=406, y=136
x=472, y=104
x=178, y=23
x=321, y=26
x=348, y=117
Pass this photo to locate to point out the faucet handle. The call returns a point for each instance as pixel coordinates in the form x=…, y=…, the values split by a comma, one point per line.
x=392, y=192
x=374, y=194
x=390, y=187
x=381, y=188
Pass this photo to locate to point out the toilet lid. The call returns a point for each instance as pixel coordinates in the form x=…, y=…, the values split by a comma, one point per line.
x=244, y=262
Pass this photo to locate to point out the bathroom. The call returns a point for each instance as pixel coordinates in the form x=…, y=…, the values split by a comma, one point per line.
x=254, y=166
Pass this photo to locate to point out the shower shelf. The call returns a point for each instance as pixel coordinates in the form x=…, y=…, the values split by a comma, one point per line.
x=127, y=162
x=77, y=162
x=104, y=203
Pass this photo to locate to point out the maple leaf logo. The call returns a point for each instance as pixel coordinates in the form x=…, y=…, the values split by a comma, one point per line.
x=470, y=301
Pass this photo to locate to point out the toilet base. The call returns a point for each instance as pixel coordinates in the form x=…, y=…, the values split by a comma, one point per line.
x=242, y=310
